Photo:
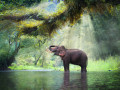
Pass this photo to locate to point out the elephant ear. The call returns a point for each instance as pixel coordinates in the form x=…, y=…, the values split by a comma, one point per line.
x=62, y=53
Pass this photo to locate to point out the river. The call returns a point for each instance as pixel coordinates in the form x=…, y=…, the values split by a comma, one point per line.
x=55, y=80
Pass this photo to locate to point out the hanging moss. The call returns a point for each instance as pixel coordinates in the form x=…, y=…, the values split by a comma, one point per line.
x=71, y=11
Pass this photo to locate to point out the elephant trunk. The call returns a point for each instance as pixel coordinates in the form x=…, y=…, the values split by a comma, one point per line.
x=52, y=49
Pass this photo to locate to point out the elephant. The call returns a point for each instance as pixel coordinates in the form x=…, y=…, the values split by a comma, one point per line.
x=70, y=56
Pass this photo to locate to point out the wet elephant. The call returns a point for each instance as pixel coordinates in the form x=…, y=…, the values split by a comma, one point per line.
x=70, y=56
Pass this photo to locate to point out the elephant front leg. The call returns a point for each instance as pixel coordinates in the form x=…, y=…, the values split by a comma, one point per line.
x=83, y=69
x=66, y=66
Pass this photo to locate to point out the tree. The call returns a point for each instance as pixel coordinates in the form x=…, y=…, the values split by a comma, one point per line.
x=10, y=47
x=37, y=56
x=73, y=11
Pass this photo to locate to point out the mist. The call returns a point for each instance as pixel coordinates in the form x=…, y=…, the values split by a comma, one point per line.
x=96, y=34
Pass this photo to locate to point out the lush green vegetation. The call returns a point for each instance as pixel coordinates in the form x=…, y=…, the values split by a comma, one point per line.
x=11, y=4
x=28, y=29
x=109, y=64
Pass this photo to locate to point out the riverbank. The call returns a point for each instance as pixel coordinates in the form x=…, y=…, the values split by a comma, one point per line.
x=109, y=64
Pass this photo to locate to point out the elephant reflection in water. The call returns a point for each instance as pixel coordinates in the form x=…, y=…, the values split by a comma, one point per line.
x=77, y=84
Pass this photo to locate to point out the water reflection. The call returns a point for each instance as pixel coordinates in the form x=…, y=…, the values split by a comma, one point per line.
x=6, y=82
x=76, y=84
x=52, y=80
x=83, y=81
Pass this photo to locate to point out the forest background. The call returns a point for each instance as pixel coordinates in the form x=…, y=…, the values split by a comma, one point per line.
x=29, y=27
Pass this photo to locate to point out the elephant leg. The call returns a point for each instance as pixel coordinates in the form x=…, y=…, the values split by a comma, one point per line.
x=83, y=69
x=66, y=66
x=83, y=63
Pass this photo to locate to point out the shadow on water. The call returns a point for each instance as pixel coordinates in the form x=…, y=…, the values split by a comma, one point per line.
x=6, y=83
x=53, y=80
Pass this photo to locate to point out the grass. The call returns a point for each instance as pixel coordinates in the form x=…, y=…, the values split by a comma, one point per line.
x=111, y=63
x=22, y=67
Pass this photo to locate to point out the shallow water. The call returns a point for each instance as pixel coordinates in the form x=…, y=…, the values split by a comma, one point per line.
x=52, y=80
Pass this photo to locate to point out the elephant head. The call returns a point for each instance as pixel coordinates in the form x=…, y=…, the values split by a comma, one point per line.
x=62, y=51
x=58, y=50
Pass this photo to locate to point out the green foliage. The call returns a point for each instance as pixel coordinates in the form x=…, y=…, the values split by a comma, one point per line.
x=13, y=4
x=107, y=29
x=27, y=41
x=21, y=2
x=9, y=44
x=1, y=5
x=110, y=63
x=32, y=51
x=22, y=67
